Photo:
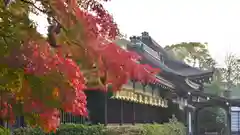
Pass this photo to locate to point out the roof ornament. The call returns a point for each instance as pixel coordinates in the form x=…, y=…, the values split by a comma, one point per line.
x=133, y=39
x=145, y=34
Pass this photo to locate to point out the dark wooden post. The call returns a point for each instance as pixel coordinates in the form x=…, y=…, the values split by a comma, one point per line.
x=70, y=117
x=144, y=87
x=21, y=121
x=154, y=117
x=189, y=121
x=1, y=120
x=189, y=115
x=106, y=108
x=121, y=118
x=153, y=87
x=133, y=105
x=145, y=106
x=196, y=121
x=229, y=123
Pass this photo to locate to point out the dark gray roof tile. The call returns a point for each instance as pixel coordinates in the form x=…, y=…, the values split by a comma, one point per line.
x=179, y=67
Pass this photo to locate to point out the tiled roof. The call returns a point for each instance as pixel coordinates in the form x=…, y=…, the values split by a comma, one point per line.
x=179, y=67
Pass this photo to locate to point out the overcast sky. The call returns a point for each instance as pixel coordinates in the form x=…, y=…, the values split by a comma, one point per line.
x=172, y=21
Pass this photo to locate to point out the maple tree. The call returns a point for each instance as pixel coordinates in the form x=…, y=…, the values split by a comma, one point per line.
x=41, y=76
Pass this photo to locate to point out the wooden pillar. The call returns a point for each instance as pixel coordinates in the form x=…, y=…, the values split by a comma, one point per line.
x=145, y=106
x=153, y=87
x=229, y=122
x=189, y=122
x=1, y=122
x=1, y=103
x=106, y=109
x=133, y=106
x=238, y=123
x=121, y=109
x=196, y=113
x=22, y=124
x=189, y=115
x=153, y=116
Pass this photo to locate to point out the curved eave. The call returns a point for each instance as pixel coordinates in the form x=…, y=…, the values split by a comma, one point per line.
x=217, y=99
x=206, y=74
x=195, y=71
x=190, y=79
x=200, y=75
x=184, y=70
x=164, y=83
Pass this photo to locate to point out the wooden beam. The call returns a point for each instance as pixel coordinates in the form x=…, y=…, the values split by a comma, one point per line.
x=106, y=109
x=133, y=106
x=121, y=109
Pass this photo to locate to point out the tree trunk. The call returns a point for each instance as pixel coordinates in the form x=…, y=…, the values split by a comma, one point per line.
x=1, y=122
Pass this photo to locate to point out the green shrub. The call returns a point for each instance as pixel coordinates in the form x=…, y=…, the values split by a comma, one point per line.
x=78, y=129
x=171, y=128
x=125, y=130
x=28, y=131
x=67, y=129
x=176, y=127
x=154, y=129
x=4, y=131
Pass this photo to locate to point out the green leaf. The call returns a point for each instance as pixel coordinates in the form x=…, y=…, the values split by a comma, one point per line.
x=31, y=118
x=10, y=79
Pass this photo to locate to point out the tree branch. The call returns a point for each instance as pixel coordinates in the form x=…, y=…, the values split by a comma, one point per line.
x=33, y=4
x=41, y=10
x=55, y=19
x=5, y=41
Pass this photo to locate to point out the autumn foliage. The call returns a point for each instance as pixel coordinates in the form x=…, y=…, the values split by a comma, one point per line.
x=45, y=80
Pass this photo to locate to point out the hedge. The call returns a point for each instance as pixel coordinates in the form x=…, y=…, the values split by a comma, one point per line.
x=4, y=131
x=171, y=128
x=71, y=129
